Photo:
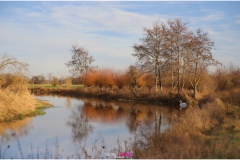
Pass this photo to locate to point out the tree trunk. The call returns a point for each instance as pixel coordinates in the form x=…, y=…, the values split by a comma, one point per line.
x=171, y=62
x=178, y=72
x=160, y=79
x=156, y=76
x=172, y=80
x=195, y=81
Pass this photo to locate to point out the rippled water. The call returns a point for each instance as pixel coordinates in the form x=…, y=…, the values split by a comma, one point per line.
x=74, y=125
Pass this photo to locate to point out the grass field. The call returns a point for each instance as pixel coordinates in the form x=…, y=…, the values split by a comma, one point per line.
x=54, y=87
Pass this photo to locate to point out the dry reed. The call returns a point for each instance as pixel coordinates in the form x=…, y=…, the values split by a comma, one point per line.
x=15, y=103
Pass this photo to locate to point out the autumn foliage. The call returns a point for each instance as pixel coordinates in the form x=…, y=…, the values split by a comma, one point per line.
x=103, y=78
x=110, y=78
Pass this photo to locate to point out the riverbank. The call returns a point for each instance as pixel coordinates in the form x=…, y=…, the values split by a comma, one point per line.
x=125, y=94
x=209, y=133
x=15, y=105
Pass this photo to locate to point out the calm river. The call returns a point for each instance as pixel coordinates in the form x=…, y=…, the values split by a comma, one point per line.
x=74, y=128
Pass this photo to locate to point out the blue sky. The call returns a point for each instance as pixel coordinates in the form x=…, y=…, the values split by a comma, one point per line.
x=42, y=33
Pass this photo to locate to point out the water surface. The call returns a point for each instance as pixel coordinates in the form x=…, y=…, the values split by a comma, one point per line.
x=76, y=125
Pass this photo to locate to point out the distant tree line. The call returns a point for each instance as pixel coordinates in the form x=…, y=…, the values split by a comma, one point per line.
x=41, y=79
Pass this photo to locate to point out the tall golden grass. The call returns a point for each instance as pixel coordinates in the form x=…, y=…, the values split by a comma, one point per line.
x=15, y=99
x=15, y=103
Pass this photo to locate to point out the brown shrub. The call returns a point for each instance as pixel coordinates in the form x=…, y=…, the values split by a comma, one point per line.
x=120, y=79
x=13, y=82
x=231, y=96
x=89, y=78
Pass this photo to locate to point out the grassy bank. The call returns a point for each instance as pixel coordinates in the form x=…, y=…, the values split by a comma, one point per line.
x=51, y=86
x=16, y=102
x=17, y=105
x=124, y=94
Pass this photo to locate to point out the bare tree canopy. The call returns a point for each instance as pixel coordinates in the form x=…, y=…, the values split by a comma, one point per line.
x=200, y=56
x=81, y=61
x=150, y=54
x=11, y=63
x=176, y=50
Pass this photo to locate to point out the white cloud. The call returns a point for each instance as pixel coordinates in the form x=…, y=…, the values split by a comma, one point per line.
x=210, y=18
x=237, y=19
x=213, y=17
x=92, y=18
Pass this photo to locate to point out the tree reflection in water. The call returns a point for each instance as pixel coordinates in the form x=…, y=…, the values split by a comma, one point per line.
x=103, y=112
x=136, y=117
x=20, y=128
x=80, y=125
x=139, y=117
x=68, y=102
x=112, y=120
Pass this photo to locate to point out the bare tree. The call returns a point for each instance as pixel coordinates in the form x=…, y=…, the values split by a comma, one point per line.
x=11, y=63
x=150, y=54
x=68, y=81
x=40, y=79
x=178, y=37
x=174, y=49
x=55, y=81
x=200, y=57
x=81, y=61
x=50, y=77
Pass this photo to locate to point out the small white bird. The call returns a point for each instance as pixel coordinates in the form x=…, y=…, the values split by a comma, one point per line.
x=182, y=105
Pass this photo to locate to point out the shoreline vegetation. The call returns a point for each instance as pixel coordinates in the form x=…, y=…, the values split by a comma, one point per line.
x=125, y=94
x=16, y=102
x=16, y=106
